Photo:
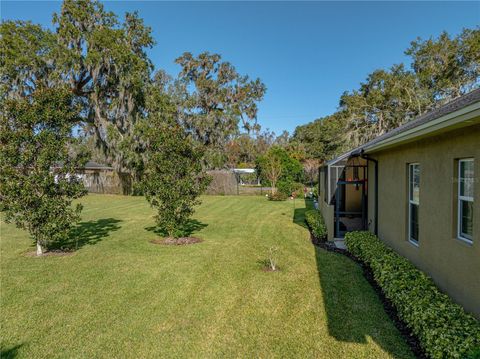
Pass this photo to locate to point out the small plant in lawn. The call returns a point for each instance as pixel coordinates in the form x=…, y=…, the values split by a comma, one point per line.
x=272, y=259
x=37, y=168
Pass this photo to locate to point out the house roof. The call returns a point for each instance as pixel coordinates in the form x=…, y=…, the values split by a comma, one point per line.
x=428, y=122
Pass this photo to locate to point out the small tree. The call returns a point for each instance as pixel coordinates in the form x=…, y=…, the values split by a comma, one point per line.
x=278, y=166
x=173, y=177
x=272, y=169
x=37, y=181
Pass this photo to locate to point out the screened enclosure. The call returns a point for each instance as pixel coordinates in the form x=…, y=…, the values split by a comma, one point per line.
x=345, y=188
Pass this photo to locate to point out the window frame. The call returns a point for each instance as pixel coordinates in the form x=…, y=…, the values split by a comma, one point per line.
x=460, y=199
x=412, y=202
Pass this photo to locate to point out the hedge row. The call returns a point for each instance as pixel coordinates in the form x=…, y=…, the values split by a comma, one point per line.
x=316, y=223
x=442, y=327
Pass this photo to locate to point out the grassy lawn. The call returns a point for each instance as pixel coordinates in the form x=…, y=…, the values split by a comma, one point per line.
x=121, y=296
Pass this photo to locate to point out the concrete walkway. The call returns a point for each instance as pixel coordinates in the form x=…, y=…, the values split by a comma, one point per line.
x=339, y=243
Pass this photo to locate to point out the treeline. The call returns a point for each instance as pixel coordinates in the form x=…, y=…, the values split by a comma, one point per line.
x=442, y=69
x=102, y=59
x=88, y=90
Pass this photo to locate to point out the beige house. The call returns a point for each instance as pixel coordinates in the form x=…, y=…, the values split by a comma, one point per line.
x=417, y=187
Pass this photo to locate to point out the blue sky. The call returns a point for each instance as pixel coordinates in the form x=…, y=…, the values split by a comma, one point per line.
x=307, y=53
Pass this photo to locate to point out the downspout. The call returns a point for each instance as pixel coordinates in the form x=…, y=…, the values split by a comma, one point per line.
x=365, y=157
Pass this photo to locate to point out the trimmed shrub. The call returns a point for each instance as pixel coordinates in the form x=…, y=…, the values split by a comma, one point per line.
x=316, y=223
x=442, y=327
x=475, y=354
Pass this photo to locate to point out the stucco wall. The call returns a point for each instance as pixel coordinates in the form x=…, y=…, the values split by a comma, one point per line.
x=453, y=264
x=353, y=196
x=326, y=210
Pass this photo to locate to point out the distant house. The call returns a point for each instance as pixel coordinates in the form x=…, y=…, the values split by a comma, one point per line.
x=417, y=187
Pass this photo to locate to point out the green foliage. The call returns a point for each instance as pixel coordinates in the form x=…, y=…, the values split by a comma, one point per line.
x=291, y=170
x=386, y=100
x=26, y=53
x=101, y=59
x=215, y=99
x=442, y=69
x=242, y=150
x=474, y=354
x=443, y=328
x=322, y=138
x=316, y=223
x=37, y=170
x=173, y=176
x=289, y=188
x=447, y=67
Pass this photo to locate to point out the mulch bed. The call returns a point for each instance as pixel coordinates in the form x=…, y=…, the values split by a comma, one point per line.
x=51, y=253
x=389, y=308
x=169, y=241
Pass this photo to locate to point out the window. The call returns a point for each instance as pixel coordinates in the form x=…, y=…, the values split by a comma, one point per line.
x=465, y=199
x=413, y=201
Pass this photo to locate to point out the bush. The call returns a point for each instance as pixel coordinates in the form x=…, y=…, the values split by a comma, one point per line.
x=278, y=196
x=475, y=354
x=298, y=189
x=316, y=223
x=289, y=188
x=442, y=327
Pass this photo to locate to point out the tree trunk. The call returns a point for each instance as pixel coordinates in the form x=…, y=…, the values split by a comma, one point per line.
x=39, y=249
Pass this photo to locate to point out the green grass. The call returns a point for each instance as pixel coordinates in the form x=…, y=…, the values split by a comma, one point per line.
x=121, y=296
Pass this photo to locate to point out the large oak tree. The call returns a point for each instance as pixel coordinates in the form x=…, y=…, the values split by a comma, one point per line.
x=100, y=58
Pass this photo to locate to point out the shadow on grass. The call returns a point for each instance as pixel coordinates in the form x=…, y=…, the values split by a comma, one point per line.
x=299, y=213
x=354, y=313
x=11, y=352
x=88, y=233
x=189, y=228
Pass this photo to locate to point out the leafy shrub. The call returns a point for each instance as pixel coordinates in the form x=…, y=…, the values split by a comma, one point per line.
x=443, y=327
x=285, y=187
x=475, y=354
x=289, y=188
x=298, y=189
x=316, y=223
x=277, y=196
